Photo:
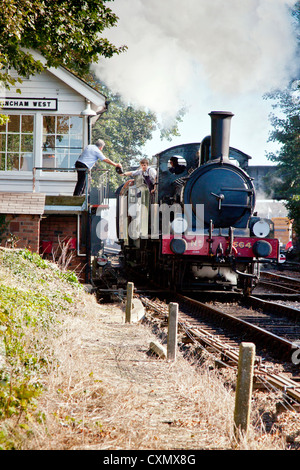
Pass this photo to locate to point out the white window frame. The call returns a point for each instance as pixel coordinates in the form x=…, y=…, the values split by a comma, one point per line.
x=19, y=171
x=56, y=153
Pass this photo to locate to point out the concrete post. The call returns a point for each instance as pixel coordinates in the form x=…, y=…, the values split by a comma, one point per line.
x=130, y=287
x=244, y=389
x=172, y=331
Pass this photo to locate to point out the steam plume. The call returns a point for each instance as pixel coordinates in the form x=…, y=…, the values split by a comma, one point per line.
x=176, y=50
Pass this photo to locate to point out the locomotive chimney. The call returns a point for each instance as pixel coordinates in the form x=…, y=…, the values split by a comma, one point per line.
x=220, y=134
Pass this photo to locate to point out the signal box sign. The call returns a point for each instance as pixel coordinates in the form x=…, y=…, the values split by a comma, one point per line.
x=37, y=104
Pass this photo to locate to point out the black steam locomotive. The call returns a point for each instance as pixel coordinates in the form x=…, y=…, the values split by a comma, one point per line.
x=199, y=232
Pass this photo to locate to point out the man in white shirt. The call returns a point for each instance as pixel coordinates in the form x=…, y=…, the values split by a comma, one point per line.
x=91, y=154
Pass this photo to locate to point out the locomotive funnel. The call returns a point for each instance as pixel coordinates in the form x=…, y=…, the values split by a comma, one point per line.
x=220, y=134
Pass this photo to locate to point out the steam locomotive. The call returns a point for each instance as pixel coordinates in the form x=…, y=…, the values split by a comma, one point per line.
x=199, y=232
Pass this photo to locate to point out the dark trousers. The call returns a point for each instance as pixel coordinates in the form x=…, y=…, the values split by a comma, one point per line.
x=81, y=178
x=150, y=187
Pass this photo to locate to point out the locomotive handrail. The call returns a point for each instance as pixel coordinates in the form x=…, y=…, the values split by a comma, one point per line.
x=238, y=189
x=220, y=198
x=237, y=205
x=127, y=183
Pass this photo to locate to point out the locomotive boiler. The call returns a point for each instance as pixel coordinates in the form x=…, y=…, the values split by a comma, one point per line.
x=200, y=232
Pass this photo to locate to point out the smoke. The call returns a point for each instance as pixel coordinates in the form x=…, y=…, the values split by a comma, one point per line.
x=182, y=52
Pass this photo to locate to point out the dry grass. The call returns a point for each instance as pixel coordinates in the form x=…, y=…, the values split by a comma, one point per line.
x=108, y=393
x=104, y=391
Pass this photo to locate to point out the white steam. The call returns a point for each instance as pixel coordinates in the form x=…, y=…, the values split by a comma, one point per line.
x=180, y=52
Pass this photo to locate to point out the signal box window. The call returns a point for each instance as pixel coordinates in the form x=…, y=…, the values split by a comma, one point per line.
x=62, y=141
x=16, y=143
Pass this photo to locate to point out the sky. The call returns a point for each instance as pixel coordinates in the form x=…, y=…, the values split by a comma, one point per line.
x=203, y=55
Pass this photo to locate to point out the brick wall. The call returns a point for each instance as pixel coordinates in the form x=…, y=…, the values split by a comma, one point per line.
x=58, y=240
x=25, y=231
x=32, y=231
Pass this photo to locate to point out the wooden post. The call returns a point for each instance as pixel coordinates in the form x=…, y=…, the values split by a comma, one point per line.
x=130, y=287
x=172, y=331
x=244, y=389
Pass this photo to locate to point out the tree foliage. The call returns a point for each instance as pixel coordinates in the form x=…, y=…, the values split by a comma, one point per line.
x=66, y=32
x=284, y=181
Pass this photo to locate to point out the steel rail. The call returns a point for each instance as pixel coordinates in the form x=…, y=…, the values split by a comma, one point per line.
x=283, y=347
x=276, y=279
x=273, y=307
x=261, y=373
x=278, y=287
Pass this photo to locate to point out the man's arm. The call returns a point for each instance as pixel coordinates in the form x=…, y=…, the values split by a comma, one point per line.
x=108, y=160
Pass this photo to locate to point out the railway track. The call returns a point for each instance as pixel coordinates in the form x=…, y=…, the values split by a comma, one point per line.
x=274, y=327
x=221, y=329
x=280, y=283
x=221, y=326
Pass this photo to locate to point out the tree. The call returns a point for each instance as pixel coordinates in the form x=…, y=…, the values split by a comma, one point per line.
x=285, y=179
x=125, y=131
x=66, y=32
